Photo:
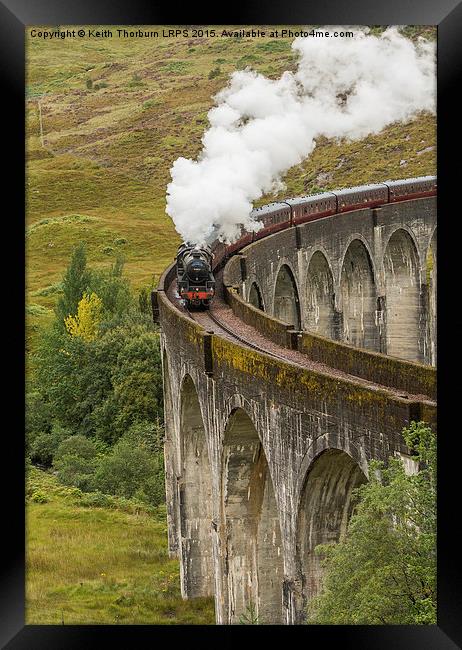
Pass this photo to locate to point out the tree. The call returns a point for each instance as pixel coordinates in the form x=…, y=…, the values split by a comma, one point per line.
x=131, y=471
x=100, y=387
x=38, y=415
x=143, y=301
x=77, y=445
x=76, y=281
x=384, y=571
x=86, y=323
x=113, y=289
x=42, y=447
x=76, y=471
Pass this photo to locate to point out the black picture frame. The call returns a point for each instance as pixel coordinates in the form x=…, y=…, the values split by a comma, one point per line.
x=15, y=15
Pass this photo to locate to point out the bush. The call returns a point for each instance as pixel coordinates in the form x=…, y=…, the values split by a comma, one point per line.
x=76, y=471
x=89, y=393
x=215, y=72
x=41, y=450
x=89, y=84
x=131, y=470
x=149, y=435
x=38, y=414
x=97, y=500
x=77, y=445
x=143, y=301
x=41, y=447
x=149, y=104
x=39, y=497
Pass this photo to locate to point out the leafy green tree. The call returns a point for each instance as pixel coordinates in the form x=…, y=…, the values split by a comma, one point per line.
x=77, y=471
x=77, y=445
x=60, y=363
x=137, y=380
x=41, y=450
x=96, y=380
x=86, y=322
x=38, y=414
x=384, y=571
x=100, y=387
x=76, y=281
x=147, y=434
x=113, y=289
x=131, y=471
x=143, y=301
x=76, y=460
x=42, y=446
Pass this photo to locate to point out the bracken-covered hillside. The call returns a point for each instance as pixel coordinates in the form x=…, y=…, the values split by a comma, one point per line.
x=116, y=113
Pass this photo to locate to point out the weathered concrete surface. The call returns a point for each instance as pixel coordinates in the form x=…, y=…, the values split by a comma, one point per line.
x=361, y=277
x=319, y=296
x=325, y=508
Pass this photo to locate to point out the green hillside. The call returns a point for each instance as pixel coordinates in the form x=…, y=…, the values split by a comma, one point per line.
x=116, y=113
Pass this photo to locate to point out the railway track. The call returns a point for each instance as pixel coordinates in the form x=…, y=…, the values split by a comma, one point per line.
x=231, y=333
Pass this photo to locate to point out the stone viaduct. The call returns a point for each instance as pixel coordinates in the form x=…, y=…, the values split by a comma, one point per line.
x=264, y=444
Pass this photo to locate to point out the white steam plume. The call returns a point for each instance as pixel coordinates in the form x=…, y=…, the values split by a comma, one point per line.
x=259, y=128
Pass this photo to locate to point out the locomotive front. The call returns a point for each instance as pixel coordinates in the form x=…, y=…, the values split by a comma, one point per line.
x=196, y=284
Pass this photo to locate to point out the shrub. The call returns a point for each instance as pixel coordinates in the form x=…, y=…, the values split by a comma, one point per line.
x=76, y=471
x=38, y=414
x=131, y=470
x=143, y=301
x=147, y=434
x=215, y=72
x=33, y=309
x=42, y=449
x=384, y=570
x=77, y=445
x=99, y=387
x=72, y=492
x=89, y=84
x=97, y=500
x=39, y=497
x=149, y=104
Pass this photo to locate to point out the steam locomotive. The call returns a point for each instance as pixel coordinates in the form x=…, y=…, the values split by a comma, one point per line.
x=196, y=284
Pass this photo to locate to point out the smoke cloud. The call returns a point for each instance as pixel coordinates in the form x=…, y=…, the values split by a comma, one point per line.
x=259, y=127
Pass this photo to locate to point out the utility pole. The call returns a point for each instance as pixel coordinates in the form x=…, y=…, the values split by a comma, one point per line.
x=40, y=121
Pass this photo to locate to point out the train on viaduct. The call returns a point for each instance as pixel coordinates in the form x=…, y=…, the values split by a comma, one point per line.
x=319, y=347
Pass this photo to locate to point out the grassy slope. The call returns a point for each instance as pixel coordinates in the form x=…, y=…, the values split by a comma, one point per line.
x=88, y=565
x=103, y=171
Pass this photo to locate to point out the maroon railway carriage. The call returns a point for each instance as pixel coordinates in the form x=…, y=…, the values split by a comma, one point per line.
x=314, y=206
x=279, y=215
x=411, y=188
